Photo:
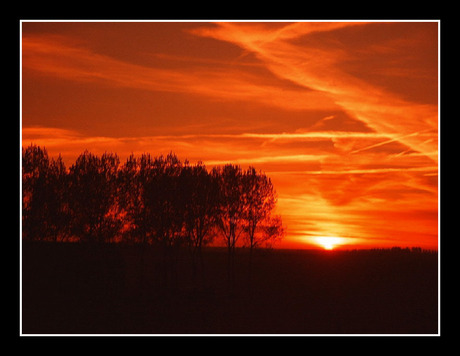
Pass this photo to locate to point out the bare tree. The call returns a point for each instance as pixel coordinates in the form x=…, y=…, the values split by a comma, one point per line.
x=165, y=212
x=198, y=190
x=273, y=230
x=134, y=176
x=93, y=198
x=259, y=200
x=162, y=200
x=230, y=209
x=44, y=208
x=58, y=204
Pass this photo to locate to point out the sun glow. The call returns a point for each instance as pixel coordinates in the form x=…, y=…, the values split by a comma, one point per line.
x=328, y=242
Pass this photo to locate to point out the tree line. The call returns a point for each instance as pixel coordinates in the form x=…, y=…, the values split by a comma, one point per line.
x=146, y=200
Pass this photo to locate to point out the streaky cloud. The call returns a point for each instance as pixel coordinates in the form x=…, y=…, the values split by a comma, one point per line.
x=58, y=57
x=318, y=69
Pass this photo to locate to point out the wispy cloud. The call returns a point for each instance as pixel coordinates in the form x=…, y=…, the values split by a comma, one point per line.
x=245, y=149
x=318, y=69
x=58, y=57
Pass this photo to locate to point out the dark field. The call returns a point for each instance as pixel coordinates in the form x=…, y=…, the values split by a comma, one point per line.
x=115, y=289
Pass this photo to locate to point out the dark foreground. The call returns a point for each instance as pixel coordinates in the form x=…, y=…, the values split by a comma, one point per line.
x=78, y=289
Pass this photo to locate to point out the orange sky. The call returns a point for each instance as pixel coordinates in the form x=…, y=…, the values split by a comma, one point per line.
x=343, y=116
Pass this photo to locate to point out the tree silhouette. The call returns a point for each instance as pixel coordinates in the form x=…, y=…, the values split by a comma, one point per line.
x=58, y=204
x=198, y=190
x=92, y=197
x=272, y=230
x=165, y=211
x=259, y=200
x=230, y=205
x=44, y=208
x=150, y=200
x=133, y=178
x=163, y=203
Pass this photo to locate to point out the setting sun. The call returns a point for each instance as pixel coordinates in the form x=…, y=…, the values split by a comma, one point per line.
x=328, y=242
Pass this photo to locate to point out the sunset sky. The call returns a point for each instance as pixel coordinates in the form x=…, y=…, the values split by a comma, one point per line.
x=342, y=116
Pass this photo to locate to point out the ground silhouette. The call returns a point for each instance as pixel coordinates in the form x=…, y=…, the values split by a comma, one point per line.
x=77, y=288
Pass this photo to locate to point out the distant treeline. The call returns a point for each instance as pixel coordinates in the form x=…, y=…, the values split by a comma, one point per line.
x=152, y=200
x=397, y=249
